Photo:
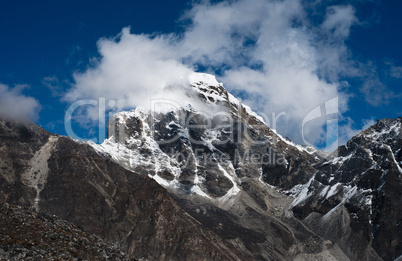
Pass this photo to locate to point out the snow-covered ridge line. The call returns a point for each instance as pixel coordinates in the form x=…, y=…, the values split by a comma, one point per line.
x=201, y=81
x=197, y=79
x=203, y=78
x=375, y=135
x=307, y=149
x=393, y=157
x=302, y=193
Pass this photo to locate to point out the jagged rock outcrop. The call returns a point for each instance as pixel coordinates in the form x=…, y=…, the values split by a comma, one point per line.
x=360, y=187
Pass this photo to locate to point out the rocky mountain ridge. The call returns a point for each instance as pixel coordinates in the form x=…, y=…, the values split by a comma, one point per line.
x=209, y=180
x=364, y=180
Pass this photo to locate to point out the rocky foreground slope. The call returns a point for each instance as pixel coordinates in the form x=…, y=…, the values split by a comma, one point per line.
x=27, y=235
x=209, y=180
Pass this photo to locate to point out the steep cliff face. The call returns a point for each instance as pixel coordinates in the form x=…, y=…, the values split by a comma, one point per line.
x=18, y=145
x=361, y=187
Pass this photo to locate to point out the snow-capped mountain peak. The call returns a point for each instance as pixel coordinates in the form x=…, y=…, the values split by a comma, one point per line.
x=217, y=150
x=202, y=151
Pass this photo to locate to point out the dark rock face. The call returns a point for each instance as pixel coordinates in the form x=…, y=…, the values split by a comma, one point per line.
x=27, y=235
x=121, y=206
x=18, y=144
x=364, y=181
x=103, y=198
x=99, y=196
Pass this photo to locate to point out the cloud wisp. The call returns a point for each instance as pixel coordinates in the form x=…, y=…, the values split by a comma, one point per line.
x=16, y=106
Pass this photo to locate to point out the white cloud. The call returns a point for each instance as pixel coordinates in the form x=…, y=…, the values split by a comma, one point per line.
x=16, y=106
x=132, y=69
x=333, y=55
x=266, y=50
x=283, y=70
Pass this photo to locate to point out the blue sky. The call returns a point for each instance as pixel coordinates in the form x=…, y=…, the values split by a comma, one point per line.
x=351, y=49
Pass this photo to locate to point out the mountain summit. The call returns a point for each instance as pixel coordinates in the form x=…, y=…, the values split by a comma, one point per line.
x=207, y=152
